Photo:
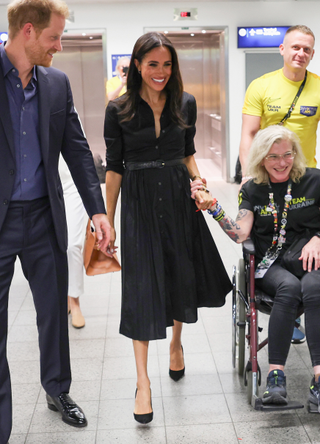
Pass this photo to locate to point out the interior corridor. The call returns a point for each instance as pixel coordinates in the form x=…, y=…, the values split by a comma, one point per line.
x=208, y=406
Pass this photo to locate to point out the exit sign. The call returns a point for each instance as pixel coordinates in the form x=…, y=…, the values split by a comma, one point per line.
x=185, y=14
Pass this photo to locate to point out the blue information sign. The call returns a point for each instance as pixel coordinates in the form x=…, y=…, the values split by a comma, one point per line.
x=261, y=37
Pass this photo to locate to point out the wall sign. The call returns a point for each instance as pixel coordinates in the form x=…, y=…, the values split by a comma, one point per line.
x=185, y=14
x=261, y=37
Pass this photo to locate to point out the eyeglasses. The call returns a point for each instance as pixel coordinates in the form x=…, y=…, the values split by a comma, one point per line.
x=273, y=158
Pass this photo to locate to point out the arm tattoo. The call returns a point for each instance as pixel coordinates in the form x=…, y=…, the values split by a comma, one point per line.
x=241, y=214
x=230, y=227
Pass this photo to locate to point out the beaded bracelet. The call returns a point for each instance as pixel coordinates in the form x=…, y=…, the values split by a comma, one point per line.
x=196, y=177
x=218, y=214
x=216, y=211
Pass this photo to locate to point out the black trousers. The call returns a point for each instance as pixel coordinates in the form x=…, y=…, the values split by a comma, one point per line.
x=289, y=293
x=28, y=233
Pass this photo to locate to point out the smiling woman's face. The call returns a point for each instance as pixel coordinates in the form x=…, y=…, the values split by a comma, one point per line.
x=279, y=168
x=156, y=68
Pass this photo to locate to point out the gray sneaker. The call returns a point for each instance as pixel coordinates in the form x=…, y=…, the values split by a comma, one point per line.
x=275, y=392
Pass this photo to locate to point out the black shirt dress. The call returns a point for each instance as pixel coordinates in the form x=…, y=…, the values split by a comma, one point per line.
x=170, y=264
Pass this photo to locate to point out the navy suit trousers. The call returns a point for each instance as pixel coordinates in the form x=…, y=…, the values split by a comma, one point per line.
x=28, y=233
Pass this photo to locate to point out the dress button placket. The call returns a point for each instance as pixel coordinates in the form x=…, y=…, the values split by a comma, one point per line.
x=160, y=200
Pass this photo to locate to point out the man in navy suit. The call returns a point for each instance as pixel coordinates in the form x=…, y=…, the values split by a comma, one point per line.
x=38, y=121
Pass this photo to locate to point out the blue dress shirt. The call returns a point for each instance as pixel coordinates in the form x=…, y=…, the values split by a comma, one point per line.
x=30, y=180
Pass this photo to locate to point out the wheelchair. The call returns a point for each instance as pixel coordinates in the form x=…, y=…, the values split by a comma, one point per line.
x=247, y=301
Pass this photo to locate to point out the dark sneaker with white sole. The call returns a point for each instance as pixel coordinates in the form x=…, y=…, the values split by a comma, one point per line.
x=275, y=392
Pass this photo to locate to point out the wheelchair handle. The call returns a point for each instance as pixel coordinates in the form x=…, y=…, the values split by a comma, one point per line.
x=248, y=246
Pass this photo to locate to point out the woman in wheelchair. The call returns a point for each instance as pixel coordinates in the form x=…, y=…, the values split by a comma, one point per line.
x=280, y=203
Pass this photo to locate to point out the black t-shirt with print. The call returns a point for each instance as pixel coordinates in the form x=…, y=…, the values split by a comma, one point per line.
x=303, y=211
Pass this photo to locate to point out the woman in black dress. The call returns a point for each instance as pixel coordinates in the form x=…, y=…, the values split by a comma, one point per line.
x=170, y=265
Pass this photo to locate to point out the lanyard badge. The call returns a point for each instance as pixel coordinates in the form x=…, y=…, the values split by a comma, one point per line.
x=278, y=235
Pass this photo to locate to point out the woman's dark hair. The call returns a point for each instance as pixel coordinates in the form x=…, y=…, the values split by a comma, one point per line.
x=174, y=87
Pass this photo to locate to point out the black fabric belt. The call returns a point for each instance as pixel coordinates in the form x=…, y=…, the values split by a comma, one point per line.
x=152, y=164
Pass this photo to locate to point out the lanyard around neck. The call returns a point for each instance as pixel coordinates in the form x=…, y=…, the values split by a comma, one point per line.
x=278, y=235
x=293, y=104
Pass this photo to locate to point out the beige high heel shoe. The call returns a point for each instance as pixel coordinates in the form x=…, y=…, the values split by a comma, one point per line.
x=77, y=319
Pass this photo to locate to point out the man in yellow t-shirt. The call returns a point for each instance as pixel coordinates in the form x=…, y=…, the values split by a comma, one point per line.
x=118, y=84
x=269, y=97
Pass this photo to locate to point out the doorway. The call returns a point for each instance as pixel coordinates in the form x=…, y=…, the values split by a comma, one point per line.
x=82, y=59
x=259, y=63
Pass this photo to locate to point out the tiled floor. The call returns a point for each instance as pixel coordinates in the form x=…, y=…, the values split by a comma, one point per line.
x=208, y=405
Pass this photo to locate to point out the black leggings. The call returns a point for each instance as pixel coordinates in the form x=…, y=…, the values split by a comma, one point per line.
x=289, y=293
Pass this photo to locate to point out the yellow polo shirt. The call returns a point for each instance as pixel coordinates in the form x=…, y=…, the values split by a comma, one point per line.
x=270, y=97
x=113, y=84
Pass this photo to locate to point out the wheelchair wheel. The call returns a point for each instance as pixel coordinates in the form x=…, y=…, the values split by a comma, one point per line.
x=238, y=318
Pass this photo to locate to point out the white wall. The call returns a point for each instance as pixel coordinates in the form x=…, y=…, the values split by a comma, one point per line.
x=124, y=23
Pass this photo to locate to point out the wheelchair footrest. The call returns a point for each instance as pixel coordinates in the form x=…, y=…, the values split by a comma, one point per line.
x=313, y=408
x=292, y=405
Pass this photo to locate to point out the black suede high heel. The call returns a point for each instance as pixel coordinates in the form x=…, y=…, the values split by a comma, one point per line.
x=145, y=418
x=176, y=375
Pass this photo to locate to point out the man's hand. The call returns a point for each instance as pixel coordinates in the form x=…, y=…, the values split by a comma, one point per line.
x=103, y=231
x=123, y=80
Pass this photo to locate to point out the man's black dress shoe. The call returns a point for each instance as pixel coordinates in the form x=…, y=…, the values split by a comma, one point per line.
x=71, y=413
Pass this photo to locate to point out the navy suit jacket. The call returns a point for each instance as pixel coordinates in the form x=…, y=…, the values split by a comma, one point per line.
x=60, y=132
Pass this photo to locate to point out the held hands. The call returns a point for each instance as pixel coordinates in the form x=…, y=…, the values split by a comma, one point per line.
x=201, y=194
x=196, y=185
x=204, y=200
x=311, y=252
